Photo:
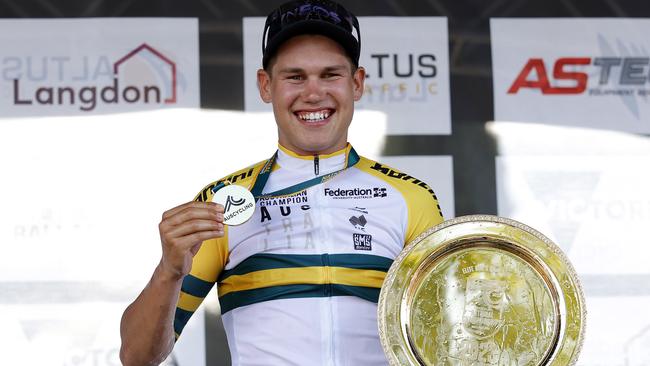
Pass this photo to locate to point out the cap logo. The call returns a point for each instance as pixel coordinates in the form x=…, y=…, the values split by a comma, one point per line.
x=309, y=11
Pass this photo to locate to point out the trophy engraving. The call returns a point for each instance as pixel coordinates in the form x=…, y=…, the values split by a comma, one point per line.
x=486, y=298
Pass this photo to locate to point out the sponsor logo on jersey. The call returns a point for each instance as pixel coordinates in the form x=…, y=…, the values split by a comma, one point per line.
x=405, y=177
x=206, y=192
x=359, y=222
x=356, y=193
x=362, y=241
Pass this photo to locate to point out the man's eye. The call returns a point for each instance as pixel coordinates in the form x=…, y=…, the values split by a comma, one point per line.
x=295, y=77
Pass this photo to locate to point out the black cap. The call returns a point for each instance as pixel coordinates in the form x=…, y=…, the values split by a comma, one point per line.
x=322, y=17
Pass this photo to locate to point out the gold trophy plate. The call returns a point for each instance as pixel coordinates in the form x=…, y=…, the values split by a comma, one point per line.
x=481, y=290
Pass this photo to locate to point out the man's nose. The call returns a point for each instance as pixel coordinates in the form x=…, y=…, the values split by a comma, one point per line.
x=313, y=90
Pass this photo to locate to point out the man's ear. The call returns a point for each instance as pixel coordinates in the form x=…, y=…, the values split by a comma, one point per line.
x=358, y=79
x=264, y=85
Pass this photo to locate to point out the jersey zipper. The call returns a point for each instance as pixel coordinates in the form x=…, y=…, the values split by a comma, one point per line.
x=316, y=167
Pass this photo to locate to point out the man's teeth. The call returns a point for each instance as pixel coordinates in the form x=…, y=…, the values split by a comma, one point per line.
x=314, y=116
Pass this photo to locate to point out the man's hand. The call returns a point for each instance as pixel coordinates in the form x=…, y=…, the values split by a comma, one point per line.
x=183, y=229
x=146, y=328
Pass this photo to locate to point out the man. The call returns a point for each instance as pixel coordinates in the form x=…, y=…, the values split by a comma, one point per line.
x=298, y=283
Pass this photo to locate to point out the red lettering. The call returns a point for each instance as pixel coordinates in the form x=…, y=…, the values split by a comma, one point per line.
x=579, y=77
x=542, y=81
x=522, y=81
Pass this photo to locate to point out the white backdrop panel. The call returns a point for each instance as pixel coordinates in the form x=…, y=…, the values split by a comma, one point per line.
x=573, y=71
x=53, y=67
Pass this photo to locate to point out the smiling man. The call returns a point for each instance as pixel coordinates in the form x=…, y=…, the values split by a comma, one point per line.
x=298, y=283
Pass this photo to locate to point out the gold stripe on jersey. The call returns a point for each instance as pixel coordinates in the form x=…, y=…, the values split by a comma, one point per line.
x=302, y=275
x=189, y=302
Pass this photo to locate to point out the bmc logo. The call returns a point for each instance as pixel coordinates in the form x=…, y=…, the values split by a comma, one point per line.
x=632, y=71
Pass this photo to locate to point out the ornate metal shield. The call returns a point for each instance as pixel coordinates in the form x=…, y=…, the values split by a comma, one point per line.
x=481, y=290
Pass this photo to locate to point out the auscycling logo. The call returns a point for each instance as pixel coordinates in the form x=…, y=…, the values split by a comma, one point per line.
x=88, y=81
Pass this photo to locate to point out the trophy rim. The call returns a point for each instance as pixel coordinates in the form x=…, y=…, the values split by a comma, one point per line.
x=567, y=269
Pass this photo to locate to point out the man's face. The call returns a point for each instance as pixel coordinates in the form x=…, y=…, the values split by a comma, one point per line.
x=313, y=90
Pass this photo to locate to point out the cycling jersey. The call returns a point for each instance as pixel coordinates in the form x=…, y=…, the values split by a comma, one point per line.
x=298, y=283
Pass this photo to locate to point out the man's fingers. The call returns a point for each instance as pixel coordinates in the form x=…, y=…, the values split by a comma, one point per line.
x=192, y=204
x=192, y=240
x=193, y=226
x=193, y=213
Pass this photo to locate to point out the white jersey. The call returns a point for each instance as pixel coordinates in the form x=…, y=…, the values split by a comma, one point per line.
x=298, y=283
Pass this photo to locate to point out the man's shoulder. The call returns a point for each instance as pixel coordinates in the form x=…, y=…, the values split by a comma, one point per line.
x=243, y=177
x=409, y=185
x=421, y=201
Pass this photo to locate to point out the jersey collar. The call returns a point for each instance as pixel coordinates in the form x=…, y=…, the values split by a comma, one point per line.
x=328, y=163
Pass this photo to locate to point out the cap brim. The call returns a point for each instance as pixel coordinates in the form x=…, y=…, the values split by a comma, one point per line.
x=313, y=26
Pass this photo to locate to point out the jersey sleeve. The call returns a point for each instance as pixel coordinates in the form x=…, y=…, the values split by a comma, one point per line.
x=422, y=205
x=207, y=264
x=211, y=259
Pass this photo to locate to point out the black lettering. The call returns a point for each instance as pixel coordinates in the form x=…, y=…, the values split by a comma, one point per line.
x=422, y=62
x=89, y=102
x=203, y=196
x=70, y=93
x=155, y=89
x=394, y=174
x=305, y=207
x=237, y=177
x=113, y=93
x=134, y=91
x=380, y=168
x=265, y=214
x=380, y=58
x=16, y=92
x=283, y=212
x=409, y=73
x=44, y=95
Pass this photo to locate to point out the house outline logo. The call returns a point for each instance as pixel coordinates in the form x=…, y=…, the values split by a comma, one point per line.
x=172, y=64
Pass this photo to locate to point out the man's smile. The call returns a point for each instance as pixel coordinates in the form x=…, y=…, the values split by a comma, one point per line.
x=314, y=116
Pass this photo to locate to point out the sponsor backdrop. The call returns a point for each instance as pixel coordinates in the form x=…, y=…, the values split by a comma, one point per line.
x=407, y=62
x=572, y=163
x=79, y=66
x=574, y=72
x=83, y=190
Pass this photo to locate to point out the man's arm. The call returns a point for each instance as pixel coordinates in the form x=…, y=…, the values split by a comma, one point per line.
x=147, y=324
